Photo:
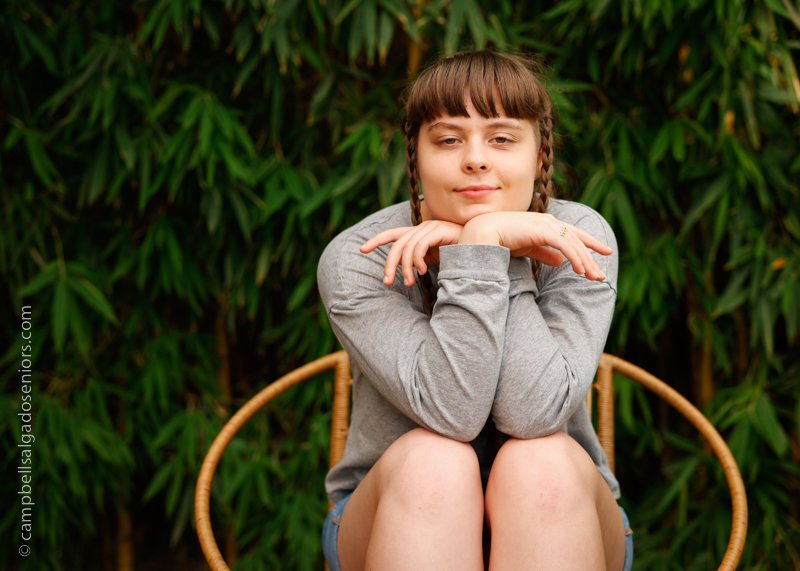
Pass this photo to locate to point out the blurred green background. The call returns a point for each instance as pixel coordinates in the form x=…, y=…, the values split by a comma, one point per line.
x=172, y=169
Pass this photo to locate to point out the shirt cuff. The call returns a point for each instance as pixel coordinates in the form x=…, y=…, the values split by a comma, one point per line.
x=475, y=261
x=521, y=276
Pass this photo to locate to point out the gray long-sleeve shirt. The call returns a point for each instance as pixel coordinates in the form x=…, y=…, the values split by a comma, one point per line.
x=498, y=345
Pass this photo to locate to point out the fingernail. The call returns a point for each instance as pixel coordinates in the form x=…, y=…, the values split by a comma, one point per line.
x=386, y=280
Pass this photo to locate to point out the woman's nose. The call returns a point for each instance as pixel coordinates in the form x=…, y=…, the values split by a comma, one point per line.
x=475, y=161
x=476, y=166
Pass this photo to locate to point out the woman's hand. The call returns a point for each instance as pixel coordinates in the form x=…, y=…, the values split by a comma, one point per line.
x=538, y=236
x=414, y=247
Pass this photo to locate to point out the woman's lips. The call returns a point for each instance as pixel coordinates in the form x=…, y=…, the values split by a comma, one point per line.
x=476, y=191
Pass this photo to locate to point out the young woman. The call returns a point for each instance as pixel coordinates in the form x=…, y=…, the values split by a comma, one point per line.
x=474, y=316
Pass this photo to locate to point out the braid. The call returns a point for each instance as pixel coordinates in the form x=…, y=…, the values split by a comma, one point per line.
x=424, y=280
x=413, y=178
x=544, y=186
x=546, y=176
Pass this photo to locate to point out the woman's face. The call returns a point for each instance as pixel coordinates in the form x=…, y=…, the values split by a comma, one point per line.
x=474, y=165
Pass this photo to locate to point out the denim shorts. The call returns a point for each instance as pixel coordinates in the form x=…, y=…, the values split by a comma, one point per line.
x=330, y=536
x=628, y=541
x=330, y=533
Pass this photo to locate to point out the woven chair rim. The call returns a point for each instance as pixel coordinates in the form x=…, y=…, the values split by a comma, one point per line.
x=340, y=360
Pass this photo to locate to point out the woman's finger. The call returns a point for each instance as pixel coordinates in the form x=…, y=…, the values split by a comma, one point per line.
x=576, y=245
x=591, y=242
x=424, y=241
x=385, y=237
x=545, y=255
x=409, y=260
x=587, y=241
x=410, y=246
x=567, y=246
x=398, y=237
x=394, y=256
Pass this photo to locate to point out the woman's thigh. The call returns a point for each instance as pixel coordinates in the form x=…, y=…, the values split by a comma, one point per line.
x=416, y=464
x=546, y=477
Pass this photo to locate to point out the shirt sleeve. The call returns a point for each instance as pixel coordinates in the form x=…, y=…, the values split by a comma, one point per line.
x=440, y=372
x=555, y=334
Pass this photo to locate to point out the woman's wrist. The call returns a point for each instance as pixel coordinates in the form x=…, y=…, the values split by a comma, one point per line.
x=477, y=231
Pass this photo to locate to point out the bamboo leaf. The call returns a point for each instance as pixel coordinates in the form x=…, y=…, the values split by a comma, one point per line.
x=735, y=295
x=41, y=47
x=320, y=95
x=14, y=135
x=356, y=36
x=205, y=134
x=660, y=144
x=125, y=146
x=242, y=216
x=301, y=291
x=454, y=27
x=791, y=309
x=678, y=144
x=766, y=424
x=687, y=468
x=80, y=333
x=385, y=35
x=93, y=297
x=214, y=212
x=244, y=74
x=626, y=215
x=475, y=22
x=710, y=197
x=62, y=313
x=370, y=23
x=345, y=12
x=43, y=167
x=691, y=95
x=262, y=265
x=764, y=325
x=159, y=481
x=44, y=278
x=173, y=91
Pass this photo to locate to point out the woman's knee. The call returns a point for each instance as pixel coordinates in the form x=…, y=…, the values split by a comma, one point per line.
x=550, y=474
x=425, y=470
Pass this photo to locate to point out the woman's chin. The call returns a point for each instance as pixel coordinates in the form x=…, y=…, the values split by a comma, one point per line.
x=471, y=212
x=461, y=214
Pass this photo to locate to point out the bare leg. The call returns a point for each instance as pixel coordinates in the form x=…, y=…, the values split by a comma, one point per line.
x=550, y=509
x=419, y=507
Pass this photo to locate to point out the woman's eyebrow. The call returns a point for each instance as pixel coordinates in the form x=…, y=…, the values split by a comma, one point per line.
x=505, y=124
x=444, y=125
x=501, y=124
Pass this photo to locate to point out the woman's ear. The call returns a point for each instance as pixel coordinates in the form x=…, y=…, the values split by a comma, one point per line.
x=538, y=164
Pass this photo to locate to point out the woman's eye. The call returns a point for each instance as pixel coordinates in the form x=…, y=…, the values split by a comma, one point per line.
x=449, y=141
x=502, y=140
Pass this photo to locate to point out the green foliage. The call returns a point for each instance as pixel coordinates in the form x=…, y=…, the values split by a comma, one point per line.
x=171, y=171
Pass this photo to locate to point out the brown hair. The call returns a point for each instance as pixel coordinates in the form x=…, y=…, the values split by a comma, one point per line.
x=442, y=89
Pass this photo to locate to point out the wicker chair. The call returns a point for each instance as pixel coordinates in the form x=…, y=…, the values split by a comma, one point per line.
x=340, y=362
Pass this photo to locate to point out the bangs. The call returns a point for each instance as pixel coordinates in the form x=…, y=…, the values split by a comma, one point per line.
x=484, y=78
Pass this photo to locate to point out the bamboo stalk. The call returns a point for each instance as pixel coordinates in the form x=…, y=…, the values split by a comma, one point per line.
x=125, y=552
x=224, y=372
x=414, y=57
x=415, y=48
x=224, y=378
x=231, y=548
x=705, y=371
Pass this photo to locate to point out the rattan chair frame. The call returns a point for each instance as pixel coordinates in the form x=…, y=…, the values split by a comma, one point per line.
x=604, y=386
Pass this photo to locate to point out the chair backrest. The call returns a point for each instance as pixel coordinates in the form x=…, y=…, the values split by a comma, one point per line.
x=603, y=386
